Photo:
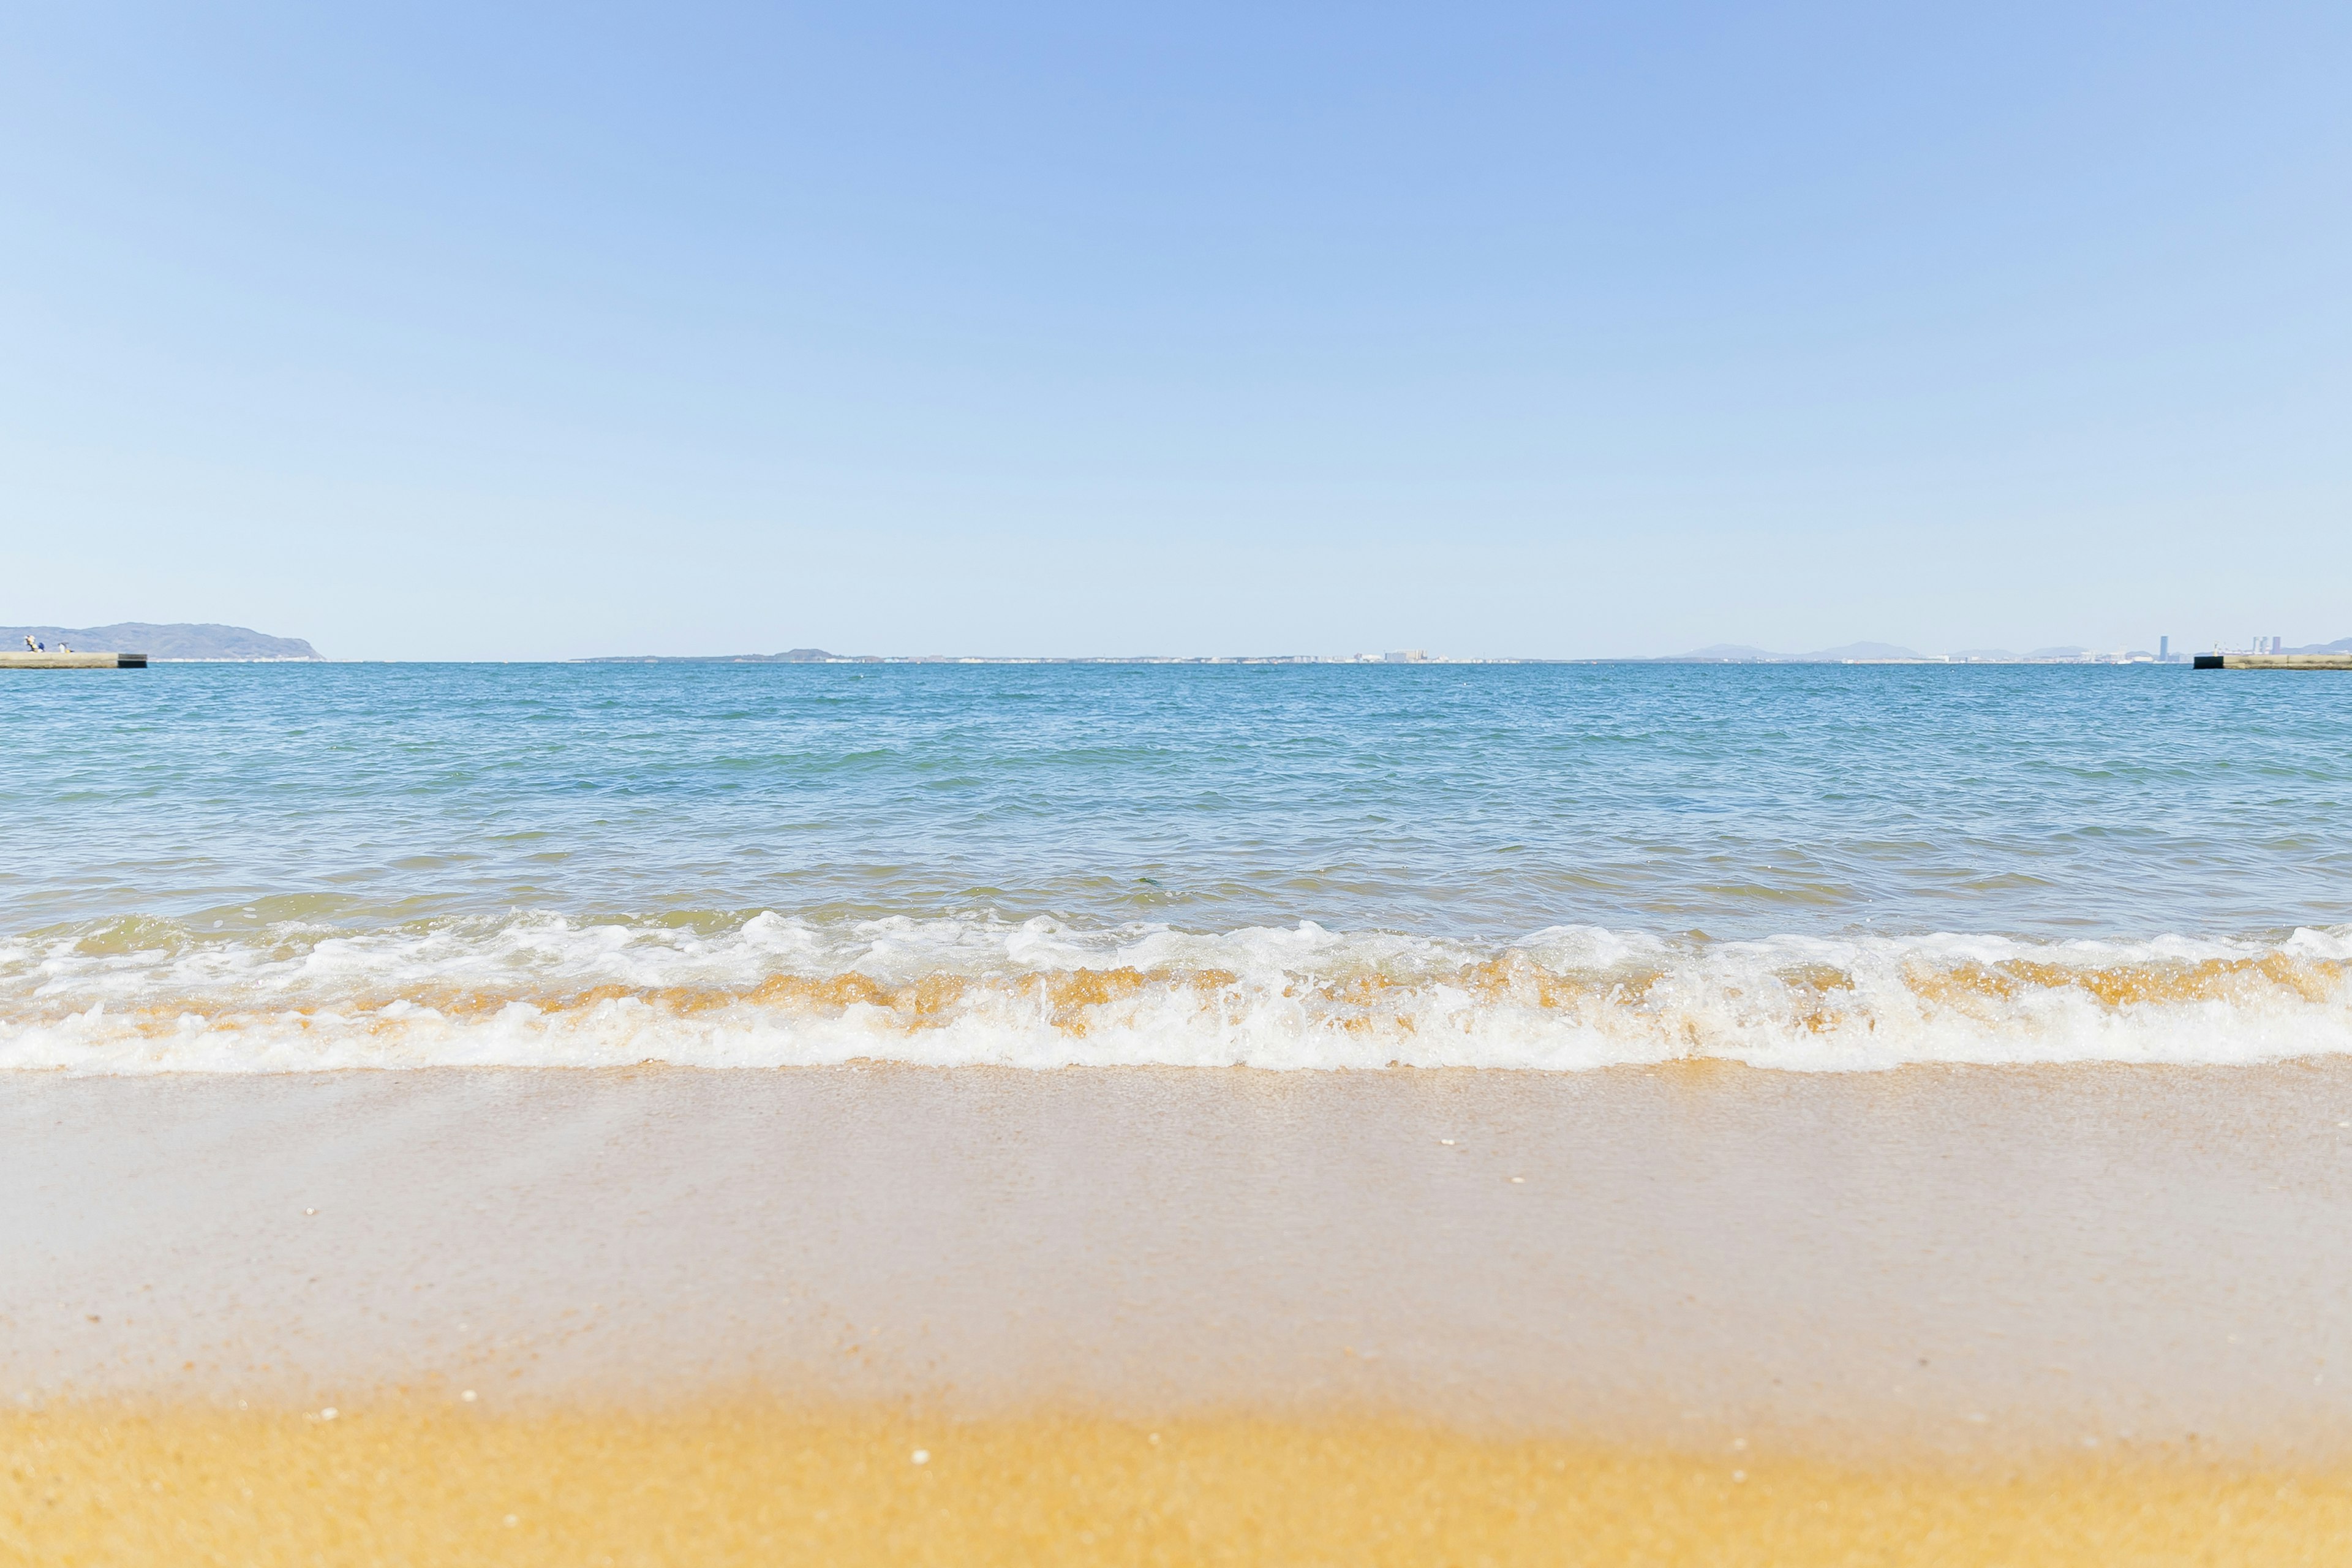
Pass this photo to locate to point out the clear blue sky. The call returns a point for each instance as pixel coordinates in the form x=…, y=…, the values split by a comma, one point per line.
x=512, y=332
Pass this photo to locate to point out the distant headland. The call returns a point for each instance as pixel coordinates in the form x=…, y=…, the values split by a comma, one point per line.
x=178, y=640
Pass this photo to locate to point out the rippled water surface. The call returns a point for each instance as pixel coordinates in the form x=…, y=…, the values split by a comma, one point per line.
x=1449, y=800
x=236, y=868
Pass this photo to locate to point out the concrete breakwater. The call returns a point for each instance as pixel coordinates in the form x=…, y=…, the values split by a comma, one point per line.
x=30, y=660
x=2275, y=661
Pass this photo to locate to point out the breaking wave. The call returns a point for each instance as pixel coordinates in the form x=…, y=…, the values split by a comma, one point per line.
x=541, y=990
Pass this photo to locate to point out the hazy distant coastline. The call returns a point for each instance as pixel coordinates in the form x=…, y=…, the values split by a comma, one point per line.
x=1891, y=653
x=1718, y=653
x=188, y=642
x=164, y=642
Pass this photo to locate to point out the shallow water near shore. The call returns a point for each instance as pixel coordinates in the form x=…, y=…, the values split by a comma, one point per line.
x=1817, y=868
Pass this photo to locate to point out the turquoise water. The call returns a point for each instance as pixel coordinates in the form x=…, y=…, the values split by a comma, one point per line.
x=203, y=840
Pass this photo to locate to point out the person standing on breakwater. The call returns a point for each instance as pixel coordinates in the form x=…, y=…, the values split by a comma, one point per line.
x=32, y=644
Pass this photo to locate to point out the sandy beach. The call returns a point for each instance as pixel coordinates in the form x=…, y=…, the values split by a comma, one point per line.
x=1150, y=786
x=1989, y=1292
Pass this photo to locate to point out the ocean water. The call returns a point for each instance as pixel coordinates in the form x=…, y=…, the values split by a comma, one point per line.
x=1817, y=868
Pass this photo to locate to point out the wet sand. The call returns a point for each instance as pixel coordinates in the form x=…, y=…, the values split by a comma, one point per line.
x=1876, y=1300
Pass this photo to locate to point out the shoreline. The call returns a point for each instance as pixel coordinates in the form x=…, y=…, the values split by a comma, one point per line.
x=1930, y=1262
x=1723, y=1314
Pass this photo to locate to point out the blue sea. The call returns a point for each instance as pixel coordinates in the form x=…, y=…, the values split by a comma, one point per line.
x=277, y=868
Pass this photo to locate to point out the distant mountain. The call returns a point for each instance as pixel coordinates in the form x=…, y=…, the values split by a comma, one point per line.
x=2341, y=645
x=791, y=656
x=177, y=640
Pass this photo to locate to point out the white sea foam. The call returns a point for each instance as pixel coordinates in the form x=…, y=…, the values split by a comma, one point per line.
x=773, y=991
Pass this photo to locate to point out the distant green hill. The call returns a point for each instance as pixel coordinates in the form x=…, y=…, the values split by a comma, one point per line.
x=178, y=640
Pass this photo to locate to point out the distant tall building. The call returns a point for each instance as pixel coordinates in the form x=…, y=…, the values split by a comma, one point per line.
x=2164, y=650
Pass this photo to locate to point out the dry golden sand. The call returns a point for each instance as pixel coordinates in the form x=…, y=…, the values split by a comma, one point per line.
x=90, y=1484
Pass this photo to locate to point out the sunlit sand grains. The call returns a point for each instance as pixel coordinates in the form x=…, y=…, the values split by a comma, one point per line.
x=755, y=1484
